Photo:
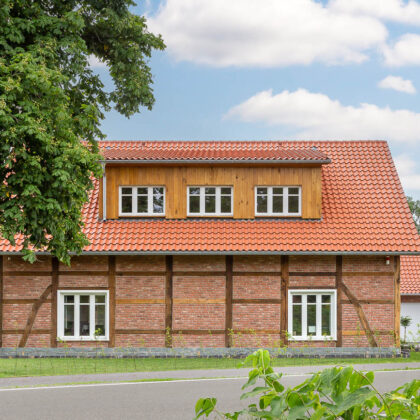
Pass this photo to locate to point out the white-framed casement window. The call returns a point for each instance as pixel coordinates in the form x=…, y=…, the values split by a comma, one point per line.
x=210, y=201
x=142, y=201
x=83, y=315
x=278, y=201
x=312, y=314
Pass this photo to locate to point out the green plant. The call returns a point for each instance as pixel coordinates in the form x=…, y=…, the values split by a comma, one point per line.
x=405, y=322
x=334, y=393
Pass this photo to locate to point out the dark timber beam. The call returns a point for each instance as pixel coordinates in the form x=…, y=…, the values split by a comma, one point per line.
x=229, y=299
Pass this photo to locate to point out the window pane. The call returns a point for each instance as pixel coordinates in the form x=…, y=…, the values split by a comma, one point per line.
x=261, y=190
x=84, y=299
x=142, y=190
x=326, y=298
x=84, y=320
x=261, y=204
x=311, y=311
x=69, y=299
x=297, y=299
x=100, y=320
x=210, y=190
x=210, y=204
x=142, y=204
x=126, y=203
x=194, y=191
x=225, y=204
x=69, y=318
x=226, y=191
x=277, y=190
x=297, y=320
x=293, y=204
x=293, y=190
x=195, y=204
x=277, y=204
x=326, y=319
x=100, y=299
x=311, y=299
x=126, y=190
x=157, y=200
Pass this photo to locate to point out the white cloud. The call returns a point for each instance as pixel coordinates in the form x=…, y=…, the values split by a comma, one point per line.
x=397, y=83
x=264, y=33
x=392, y=10
x=315, y=115
x=408, y=171
x=405, y=51
x=94, y=62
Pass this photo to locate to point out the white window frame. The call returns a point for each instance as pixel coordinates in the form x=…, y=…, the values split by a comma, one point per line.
x=285, y=200
x=333, y=314
x=60, y=315
x=134, y=211
x=202, y=201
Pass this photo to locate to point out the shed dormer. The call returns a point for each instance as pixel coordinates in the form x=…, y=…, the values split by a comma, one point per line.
x=239, y=180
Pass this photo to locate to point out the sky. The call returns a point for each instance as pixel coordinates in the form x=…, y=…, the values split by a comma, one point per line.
x=283, y=69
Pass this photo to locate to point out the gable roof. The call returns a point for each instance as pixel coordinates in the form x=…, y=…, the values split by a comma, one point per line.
x=216, y=151
x=364, y=210
x=410, y=275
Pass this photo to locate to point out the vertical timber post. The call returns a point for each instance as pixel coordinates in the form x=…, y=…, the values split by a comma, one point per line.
x=228, y=304
x=397, y=300
x=168, y=300
x=338, y=286
x=54, y=289
x=111, y=286
x=284, y=291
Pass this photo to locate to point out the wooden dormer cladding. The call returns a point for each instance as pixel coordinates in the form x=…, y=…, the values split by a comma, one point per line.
x=243, y=179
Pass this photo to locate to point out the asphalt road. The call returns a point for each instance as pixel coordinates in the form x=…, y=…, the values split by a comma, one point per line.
x=144, y=400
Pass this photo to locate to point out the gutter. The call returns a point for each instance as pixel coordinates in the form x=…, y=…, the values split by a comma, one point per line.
x=168, y=252
x=189, y=161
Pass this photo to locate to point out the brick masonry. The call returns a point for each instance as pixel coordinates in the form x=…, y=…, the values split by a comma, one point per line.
x=198, y=305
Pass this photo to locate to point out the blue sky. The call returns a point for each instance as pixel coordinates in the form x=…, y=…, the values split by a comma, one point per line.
x=282, y=69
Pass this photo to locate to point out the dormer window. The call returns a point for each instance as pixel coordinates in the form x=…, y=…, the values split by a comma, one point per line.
x=142, y=201
x=210, y=201
x=278, y=201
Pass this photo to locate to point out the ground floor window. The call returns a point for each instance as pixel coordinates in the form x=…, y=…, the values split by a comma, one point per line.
x=83, y=315
x=312, y=314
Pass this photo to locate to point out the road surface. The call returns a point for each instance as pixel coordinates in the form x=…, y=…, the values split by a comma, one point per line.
x=144, y=400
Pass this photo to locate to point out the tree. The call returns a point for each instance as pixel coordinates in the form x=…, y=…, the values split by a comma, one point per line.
x=405, y=322
x=51, y=107
x=415, y=211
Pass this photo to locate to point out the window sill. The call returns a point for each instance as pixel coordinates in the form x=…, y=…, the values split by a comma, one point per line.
x=314, y=338
x=82, y=339
x=212, y=216
x=280, y=216
x=137, y=216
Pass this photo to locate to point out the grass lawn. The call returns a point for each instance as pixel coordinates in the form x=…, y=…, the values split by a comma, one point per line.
x=73, y=366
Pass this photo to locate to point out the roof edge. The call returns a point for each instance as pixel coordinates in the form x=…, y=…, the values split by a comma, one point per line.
x=217, y=161
x=379, y=253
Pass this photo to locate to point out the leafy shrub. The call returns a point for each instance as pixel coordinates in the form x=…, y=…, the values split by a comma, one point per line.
x=334, y=393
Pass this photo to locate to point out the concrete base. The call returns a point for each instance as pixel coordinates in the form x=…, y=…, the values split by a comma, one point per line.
x=234, y=352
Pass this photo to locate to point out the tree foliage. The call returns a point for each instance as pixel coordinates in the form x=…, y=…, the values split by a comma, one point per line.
x=51, y=106
x=415, y=211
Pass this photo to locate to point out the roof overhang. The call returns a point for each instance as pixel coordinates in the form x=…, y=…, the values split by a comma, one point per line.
x=366, y=253
x=216, y=161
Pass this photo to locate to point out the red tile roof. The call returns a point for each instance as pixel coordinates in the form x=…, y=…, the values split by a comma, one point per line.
x=363, y=210
x=214, y=151
x=410, y=275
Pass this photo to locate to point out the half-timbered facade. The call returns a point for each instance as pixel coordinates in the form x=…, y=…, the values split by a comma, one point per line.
x=224, y=244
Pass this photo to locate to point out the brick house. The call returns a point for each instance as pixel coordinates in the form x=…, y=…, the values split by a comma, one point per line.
x=410, y=295
x=224, y=244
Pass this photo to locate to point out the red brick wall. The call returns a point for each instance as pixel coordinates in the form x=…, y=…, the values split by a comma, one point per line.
x=199, y=300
